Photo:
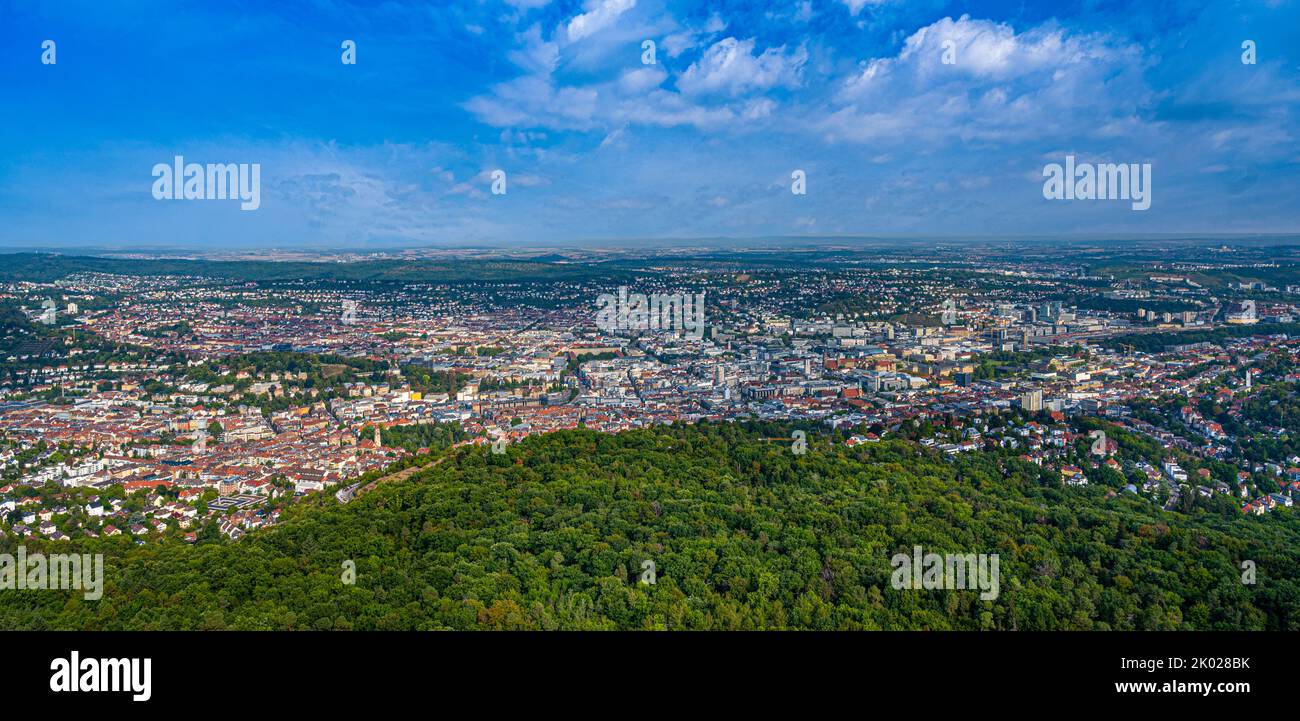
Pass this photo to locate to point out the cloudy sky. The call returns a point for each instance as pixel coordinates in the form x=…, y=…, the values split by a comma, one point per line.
x=906, y=116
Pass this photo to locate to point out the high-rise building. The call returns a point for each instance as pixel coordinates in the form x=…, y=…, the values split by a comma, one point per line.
x=1032, y=401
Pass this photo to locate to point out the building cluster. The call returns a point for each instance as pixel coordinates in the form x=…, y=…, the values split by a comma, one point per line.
x=501, y=370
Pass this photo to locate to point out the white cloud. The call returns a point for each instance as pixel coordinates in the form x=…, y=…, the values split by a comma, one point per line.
x=532, y=100
x=730, y=66
x=679, y=42
x=1001, y=86
x=600, y=14
x=642, y=79
x=535, y=55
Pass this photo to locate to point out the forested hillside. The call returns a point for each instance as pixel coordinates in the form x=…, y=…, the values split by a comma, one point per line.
x=743, y=534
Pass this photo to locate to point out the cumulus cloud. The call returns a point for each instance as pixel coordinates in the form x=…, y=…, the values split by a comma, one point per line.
x=723, y=89
x=730, y=66
x=980, y=80
x=642, y=79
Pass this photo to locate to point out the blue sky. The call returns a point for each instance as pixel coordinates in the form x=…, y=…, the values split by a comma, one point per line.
x=398, y=148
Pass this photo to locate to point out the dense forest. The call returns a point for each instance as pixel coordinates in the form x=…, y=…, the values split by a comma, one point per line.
x=743, y=534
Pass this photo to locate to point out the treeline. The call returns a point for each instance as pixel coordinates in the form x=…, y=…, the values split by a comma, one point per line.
x=1158, y=342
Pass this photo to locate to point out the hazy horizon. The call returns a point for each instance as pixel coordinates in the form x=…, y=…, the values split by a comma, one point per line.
x=732, y=244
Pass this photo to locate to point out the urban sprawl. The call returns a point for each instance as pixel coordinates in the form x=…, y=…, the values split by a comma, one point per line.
x=161, y=405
